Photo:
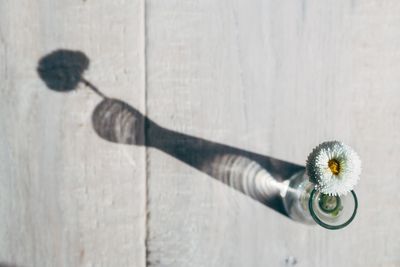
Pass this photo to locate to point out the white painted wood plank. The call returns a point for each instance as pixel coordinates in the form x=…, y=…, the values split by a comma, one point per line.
x=68, y=197
x=276, y=78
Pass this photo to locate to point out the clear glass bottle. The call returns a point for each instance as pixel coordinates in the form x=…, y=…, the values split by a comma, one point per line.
x=305, y=204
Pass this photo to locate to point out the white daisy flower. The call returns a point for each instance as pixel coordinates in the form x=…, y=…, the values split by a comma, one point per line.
x=334, y=167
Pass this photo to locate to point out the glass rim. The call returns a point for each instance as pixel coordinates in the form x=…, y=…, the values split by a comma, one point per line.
x=328, y=226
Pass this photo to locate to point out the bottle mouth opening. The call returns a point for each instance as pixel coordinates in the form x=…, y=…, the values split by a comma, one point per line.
x=333, y=212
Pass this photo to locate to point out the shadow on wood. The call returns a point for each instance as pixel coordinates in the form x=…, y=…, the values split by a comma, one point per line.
x=255, y=175
x=62, y=69
x=4, y=264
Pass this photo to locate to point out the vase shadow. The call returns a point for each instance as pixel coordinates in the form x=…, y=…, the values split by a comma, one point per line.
x=257, y=176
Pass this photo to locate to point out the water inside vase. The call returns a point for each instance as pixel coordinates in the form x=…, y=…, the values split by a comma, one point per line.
x=333, y=212
x=305, y=204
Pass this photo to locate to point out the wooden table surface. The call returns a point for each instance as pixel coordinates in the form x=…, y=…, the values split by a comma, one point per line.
x=274, y=78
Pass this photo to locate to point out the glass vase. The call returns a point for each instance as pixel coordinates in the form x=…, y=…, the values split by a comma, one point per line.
x=305, y=204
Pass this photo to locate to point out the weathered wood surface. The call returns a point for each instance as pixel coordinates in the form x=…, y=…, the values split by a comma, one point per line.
x=276, y=78
x=68, y=197
x=272, y=77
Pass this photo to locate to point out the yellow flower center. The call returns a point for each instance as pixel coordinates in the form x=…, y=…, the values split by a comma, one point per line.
x=334, y=166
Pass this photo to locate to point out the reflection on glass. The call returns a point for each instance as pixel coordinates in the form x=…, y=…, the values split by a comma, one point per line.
x=305, y=204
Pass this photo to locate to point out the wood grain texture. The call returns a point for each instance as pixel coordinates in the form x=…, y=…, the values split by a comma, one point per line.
x=68, y=197
x=272, y=77
x=276, y=78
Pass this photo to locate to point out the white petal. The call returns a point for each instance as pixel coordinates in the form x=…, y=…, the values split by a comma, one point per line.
x=320, y=173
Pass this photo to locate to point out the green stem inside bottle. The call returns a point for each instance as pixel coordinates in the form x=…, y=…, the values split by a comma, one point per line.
x=330, y=204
